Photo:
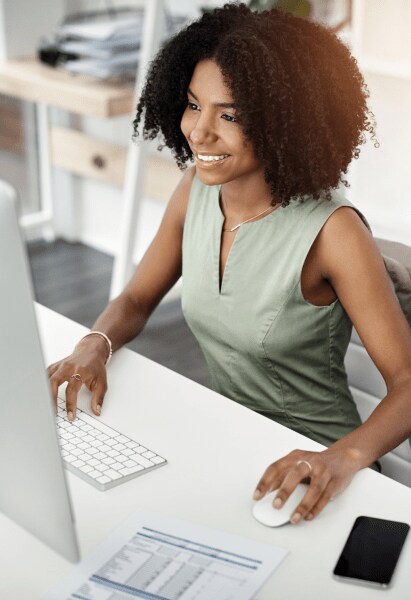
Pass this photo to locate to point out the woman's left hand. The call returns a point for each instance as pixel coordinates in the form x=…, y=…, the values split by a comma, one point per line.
x=331, y=472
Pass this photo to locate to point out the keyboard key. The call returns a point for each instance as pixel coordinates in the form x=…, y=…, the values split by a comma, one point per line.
x=144, y=461
x=73, y=426
x=117, y=466
x=122, y=439
x=108, y=461
x=92, y=451
x=131, y=444
x=157, y=460
x=112, y=474
x=86, y=457
x=121, y=458
x=127, y=452
x=102, y=436
x=101, y=468
x=104, y=448
x=111, y=442
x=148, y=454
x=84, y=445
x=100, y=455
x=141, y=449
x=70, y=458
x=76, y=441
x=93, y=462
x=130, y=463
x=86, y=468
x=97, y=425
x=129, y=471
x=119, y=447
x=94, y=474
x=103, y=479
x=112, y=452
x=78, y=463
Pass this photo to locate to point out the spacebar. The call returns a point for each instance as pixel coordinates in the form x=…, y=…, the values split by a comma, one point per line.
x=98, y=425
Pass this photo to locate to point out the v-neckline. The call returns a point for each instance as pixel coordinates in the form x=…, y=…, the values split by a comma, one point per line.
x=221, y=278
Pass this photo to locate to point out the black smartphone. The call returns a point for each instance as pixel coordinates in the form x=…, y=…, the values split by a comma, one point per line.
x=372, y=551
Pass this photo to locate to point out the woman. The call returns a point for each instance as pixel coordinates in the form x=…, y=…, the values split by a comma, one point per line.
x=276, y=264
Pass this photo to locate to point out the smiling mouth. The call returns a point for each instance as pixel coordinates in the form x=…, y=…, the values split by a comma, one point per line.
x=208, y=160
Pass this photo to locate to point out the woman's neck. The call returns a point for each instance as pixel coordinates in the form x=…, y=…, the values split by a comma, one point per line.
x=242, y=199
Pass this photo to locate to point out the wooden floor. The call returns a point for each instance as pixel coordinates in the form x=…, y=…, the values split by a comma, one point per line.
x=74, y=280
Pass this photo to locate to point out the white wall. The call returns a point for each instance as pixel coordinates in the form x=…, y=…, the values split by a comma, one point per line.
x=24, y=22
x=380, y=178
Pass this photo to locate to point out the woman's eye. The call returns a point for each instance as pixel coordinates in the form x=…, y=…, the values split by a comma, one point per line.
x=226, y=117
x=230, y=118
x=192, y=106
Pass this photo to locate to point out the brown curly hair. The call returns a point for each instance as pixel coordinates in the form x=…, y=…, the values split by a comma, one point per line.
x=300, y=98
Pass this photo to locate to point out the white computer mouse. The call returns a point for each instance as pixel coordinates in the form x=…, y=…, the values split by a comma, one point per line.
x=266, y=514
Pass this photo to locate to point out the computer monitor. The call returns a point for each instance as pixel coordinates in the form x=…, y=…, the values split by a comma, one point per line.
x=33, y=487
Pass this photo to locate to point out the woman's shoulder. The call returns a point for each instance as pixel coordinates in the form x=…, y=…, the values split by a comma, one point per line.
x=345, y=233
x=178, y=203
x=336, y=210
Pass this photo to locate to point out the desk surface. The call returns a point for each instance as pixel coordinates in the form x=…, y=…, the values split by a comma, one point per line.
x=28, y=79
x=217, y=451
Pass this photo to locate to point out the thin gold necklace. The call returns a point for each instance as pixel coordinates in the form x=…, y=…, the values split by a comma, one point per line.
x=250, y=219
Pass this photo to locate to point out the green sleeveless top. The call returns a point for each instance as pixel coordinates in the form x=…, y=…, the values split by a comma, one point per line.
x=267, y=347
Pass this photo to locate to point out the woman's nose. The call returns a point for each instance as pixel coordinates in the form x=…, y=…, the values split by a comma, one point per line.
x=202, y=133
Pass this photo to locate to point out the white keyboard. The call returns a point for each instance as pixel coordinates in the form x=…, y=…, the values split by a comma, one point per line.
x=99, y=454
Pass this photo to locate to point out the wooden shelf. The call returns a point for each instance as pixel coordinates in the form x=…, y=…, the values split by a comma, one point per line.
x=85, y=156
x=28, y=79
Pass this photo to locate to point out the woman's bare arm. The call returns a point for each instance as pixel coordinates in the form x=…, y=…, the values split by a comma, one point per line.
x=359, y=277
x=125, y=317
x=350, y=260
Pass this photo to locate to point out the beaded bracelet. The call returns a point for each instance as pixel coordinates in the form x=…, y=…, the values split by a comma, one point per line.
x=105, y=338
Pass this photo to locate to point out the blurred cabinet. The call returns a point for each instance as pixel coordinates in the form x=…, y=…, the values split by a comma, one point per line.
x=72, y=150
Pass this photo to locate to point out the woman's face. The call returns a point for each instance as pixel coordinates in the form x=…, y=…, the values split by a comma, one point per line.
x=221, y=152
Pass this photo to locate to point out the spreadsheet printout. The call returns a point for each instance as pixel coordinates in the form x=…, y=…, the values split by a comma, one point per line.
x=158, y=558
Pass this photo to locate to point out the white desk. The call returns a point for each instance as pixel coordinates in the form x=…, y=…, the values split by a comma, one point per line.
x=217, y=451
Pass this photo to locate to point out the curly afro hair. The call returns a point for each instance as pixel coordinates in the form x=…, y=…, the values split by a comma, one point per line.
x=300, y=98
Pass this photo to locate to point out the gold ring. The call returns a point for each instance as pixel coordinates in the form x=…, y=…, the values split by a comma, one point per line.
x=305, y=462
x=77, y=377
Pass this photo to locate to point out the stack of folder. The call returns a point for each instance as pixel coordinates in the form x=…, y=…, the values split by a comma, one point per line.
x=102, y=45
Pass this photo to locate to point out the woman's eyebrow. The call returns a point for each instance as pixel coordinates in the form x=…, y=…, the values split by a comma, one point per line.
x=219, y=104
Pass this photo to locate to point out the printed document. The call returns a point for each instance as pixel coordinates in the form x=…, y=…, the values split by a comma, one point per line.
x=159, y=558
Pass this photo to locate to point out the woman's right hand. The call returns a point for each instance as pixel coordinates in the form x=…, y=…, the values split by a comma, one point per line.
x=85, y=365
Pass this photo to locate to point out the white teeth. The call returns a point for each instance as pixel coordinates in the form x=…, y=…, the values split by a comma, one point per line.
x=208, y=158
